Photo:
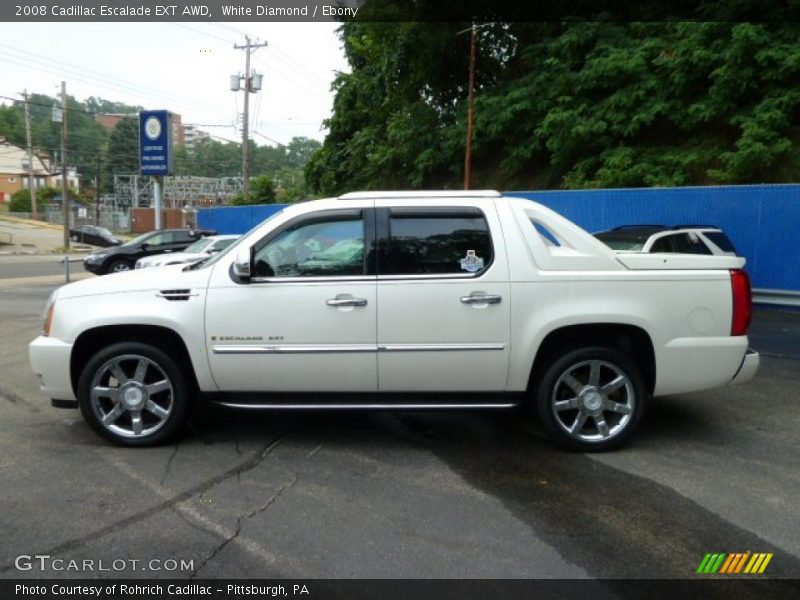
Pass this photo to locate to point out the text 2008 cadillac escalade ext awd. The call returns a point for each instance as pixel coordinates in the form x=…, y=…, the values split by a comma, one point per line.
x=403, y=301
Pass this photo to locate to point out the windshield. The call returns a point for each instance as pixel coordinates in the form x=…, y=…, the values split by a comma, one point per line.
x=138, y=240
x=104, y=231
x=621, y=242
x=215, y=257
x=200, y=245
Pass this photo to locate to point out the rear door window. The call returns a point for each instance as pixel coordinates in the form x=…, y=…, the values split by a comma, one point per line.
x=434, y=241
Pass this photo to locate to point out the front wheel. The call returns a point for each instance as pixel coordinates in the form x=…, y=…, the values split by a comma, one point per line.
x=590, y=399
x=119, y=266
x=133, y=394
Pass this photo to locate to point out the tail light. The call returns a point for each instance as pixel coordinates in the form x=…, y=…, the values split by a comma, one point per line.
x=742, y=302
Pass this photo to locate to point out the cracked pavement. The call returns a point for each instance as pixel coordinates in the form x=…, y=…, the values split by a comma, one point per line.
x=396, y=495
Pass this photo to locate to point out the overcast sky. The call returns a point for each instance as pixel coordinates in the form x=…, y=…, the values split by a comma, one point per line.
x=182, y=67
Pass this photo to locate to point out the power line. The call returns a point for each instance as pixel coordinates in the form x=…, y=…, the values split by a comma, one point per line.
x=107, y=80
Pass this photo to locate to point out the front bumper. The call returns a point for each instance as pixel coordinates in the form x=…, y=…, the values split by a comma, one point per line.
x=49, y=359
x=93, y=267
x=748, y=368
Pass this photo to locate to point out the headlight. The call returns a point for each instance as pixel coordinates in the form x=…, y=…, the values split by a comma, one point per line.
x=47, y=316
x=93, y=258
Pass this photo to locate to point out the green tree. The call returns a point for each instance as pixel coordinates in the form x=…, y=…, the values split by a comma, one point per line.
x=20, y=201
x=565, y=104
x=262, y=191
x=123, y=149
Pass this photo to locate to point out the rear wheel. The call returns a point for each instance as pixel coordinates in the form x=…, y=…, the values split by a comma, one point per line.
x=133, y=394
x=590, y=399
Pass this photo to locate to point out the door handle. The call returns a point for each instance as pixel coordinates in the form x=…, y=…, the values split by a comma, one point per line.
x=481, y=299
x=346, y=302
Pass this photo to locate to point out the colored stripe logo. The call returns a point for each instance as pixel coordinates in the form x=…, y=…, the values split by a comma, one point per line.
x=734, y=563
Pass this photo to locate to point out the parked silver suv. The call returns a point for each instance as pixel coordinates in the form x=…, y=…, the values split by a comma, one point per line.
x=683, y=239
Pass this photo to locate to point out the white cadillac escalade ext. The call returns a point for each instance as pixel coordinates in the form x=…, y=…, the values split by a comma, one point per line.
x=395, y=300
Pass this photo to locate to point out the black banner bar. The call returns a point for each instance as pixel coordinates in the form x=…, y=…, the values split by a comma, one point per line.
x=395, y=10
x=403, y=589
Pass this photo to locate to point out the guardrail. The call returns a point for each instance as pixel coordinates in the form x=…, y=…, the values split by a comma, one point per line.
x=66, y=260
x=778, y=297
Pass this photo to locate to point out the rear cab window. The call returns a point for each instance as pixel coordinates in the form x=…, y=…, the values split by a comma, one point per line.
x=720, y=240
x=446, y=241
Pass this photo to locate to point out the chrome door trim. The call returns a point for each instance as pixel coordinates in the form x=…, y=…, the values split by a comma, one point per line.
x=315, y=279
x=294, y=349
x=438, y=347
x=342, y=348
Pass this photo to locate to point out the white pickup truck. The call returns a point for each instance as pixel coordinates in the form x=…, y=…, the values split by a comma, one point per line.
x=389, y=300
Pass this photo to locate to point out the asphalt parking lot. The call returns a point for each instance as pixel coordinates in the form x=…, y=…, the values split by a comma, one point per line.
x=404, y=495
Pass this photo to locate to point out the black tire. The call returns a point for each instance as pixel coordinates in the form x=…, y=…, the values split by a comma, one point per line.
x=119, y=265
x=159, y=367
x=565, y=393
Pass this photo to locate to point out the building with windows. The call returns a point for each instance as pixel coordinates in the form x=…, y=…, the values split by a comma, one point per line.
x=192, y=136
x=14, y=170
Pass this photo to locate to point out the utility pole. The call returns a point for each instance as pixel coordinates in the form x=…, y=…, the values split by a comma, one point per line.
x=248, y=48
x=97, y=193
x=64, y=187
x=470, y=108
x=31, y=177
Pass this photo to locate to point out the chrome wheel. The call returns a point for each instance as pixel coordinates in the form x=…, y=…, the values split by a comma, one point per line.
x=131, y=396
x=120, y=266
x=593, y=400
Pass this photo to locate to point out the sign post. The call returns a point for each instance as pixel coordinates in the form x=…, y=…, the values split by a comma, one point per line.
x=155, y=152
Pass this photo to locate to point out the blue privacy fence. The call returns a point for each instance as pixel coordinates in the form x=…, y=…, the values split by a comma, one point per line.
x=235, y=219
x=763, y=221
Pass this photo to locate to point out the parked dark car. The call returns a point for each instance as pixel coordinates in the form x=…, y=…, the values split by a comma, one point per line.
x=124, y=257
x=96, y=236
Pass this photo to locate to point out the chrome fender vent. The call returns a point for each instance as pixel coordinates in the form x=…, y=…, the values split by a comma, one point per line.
x=173, y=295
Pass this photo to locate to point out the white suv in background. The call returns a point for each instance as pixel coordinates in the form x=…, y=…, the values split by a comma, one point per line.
x=683, y=239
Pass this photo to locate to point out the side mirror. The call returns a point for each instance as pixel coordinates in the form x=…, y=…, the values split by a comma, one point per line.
x=242, y=263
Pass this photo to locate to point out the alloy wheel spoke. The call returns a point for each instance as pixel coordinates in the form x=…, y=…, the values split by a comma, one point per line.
x=602, y=426
x=159, y=411
x=617, y=407
x=141, y=369
x=136, y=421
x=118, y=373
x=580, y=420
x=594, y=373
x=106, y=392
x=575, y=385
x=572, y=403
x=614, y=384
x=114, y=414
x=158, y=386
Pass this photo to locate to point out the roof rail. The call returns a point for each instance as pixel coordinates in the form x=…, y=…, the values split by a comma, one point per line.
x=694, y=226
x=640, y=226
x=421, y=194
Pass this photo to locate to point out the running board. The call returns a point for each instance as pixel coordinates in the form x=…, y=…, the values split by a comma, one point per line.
x=353, y=406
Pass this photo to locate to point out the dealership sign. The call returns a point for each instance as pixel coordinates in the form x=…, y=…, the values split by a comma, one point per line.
x=155, y=142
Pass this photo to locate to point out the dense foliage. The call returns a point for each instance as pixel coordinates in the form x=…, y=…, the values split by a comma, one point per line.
x=262, y=191
x=572, y=104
